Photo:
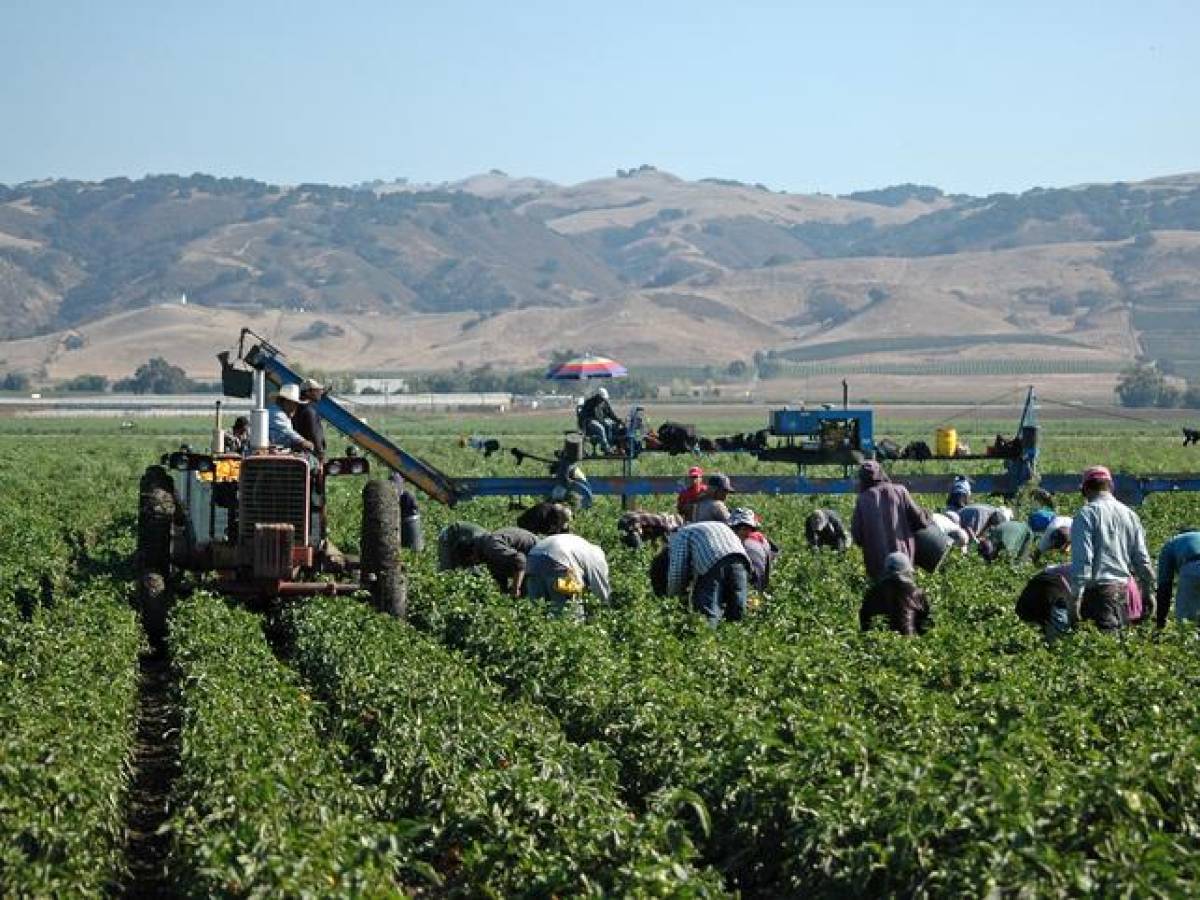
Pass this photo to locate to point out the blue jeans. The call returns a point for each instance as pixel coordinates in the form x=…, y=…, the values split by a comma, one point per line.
x=598, y=432
x=1187, y=598
x=721, y=591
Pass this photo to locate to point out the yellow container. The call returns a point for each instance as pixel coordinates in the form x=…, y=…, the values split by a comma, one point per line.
x=945, y=442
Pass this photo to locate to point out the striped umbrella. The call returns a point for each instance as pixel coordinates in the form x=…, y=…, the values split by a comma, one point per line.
x=584, y=367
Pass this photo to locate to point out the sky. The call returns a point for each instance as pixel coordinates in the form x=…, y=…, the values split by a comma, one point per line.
x=973, y=97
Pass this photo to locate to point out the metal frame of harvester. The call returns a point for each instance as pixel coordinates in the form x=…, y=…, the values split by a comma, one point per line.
x=256, y=522
x=806, y=437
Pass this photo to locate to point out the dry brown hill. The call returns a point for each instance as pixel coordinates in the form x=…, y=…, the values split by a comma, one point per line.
x=644, y=265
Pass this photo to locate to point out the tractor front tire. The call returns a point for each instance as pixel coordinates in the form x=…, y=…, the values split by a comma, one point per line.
x=156, y=515
x=380, y=548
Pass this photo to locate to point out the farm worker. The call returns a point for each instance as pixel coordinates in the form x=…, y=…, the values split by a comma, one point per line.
x=237, y=439
x=455, y=542
x=711, y=507
x=760, y=550
x=1056, y=536
x=306, y=420
x=947, y=523
x=560, y=567
x=284, y=404
x=1046, y=601
x=1179, y=556
x=960, y=493
x=824, y=528
x=596, y=418
x=709, y=557
x=504, y=553
x=1041, y=519
x=976, y=518
x=1011, y=539
x=1108, y=547
x=547, y=517
x=885, y=518
x=687, y=498
x=637, y=526
x=896, y=595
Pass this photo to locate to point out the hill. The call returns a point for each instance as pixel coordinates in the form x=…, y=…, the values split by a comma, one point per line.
x=643, y=265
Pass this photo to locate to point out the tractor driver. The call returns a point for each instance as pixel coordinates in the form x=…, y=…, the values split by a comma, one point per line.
x=284, y=404
x=306, y=420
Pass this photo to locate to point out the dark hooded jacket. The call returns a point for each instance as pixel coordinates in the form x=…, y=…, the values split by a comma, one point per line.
x=885, y=519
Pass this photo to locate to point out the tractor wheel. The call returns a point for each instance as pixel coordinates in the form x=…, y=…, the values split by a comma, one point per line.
x=380, y=547
x=156, y=514
x=390, y=592
x=152, y=598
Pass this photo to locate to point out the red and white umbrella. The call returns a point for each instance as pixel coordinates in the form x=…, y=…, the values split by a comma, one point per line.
x=584, y=367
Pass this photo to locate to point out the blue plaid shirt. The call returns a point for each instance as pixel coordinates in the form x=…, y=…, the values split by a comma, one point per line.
x=697, y=548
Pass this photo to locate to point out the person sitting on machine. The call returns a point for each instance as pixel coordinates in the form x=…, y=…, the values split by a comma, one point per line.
x=284, y=404
x=237, y=439
x=597, y=419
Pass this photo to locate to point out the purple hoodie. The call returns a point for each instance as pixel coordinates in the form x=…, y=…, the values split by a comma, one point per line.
x=885, y=519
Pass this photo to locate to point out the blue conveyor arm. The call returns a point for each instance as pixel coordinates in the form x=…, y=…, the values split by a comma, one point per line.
x=431, y=480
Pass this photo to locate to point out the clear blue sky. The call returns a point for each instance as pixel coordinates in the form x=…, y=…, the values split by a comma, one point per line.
x=970, y=96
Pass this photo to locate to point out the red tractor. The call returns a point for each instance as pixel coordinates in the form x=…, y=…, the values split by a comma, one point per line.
x=256, y=524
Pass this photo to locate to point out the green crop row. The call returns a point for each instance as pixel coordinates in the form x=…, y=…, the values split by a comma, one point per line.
x=515, y=808
x=835, y=763
x=262, y=805
x=68, y=679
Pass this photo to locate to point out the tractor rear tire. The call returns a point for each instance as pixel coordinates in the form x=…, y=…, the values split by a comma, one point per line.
x=153, y=599
x=390, y=592
x=156, y=515
x=380, y=548
x=380, y=545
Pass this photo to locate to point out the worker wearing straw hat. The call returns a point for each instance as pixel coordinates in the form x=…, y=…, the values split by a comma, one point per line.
x=282, y=433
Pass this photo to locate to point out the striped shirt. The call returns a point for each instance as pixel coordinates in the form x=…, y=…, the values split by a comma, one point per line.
x=649, y=526
x=696, y=548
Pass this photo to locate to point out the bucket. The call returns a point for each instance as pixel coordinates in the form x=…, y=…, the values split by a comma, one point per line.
x=411, y=537
x=932, y=546
x=945, y=442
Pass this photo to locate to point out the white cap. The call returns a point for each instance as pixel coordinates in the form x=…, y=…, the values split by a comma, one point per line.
x=311, y=384
x=603, y=393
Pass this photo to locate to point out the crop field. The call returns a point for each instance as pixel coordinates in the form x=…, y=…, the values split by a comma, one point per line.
x=485, y=748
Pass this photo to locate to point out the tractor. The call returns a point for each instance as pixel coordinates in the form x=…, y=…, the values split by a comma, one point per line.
x=256, y=523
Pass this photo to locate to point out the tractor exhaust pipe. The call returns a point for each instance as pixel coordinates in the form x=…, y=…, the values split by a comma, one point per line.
x=259, y=426
x=218, y=435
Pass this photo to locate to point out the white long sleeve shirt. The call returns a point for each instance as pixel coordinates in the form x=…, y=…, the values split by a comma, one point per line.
x=1108, y=545
x=571, y=553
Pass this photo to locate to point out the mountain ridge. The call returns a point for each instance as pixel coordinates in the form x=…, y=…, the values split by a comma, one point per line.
x=641, y=264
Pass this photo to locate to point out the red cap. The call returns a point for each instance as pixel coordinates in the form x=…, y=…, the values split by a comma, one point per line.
x=1095, y=473
x=695, y=472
